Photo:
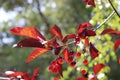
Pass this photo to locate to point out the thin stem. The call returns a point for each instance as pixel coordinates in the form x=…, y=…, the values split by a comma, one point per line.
x=114, y=8
x=105, y=20
x=41, y=14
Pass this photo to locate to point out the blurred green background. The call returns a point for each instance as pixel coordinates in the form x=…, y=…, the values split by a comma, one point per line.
x=67, y=14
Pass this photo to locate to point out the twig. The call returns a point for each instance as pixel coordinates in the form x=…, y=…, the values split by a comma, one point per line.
x=114, y=8
x=41, y=14
x=105, y=20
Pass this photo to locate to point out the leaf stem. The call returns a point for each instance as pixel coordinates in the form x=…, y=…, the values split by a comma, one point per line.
x=105, y=20
x=114, y=8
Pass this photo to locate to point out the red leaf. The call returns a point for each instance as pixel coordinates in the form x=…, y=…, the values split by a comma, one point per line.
x=82, y=27
x=29, y=42
x=98, y=67
x=93, y=51
x=82, y=78
x=86, y=42
x=26, y=76
x=90, y=2
x=65, y=53
x=90, y=33
x=69, y=36
x=110, y=31
x=36, y=53
x=31, y=32
x=35, y=73
x=55, y=30
x=116, y=44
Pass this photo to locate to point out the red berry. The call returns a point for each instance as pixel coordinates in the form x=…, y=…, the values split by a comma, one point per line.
x=71, y=53
x=70, y=59
x=50, y=67
x=83, y=71
x=72, y=64
x=78, y=54
x=85, y=62
x=54, y=70
x=60, y=60
x=54, y=62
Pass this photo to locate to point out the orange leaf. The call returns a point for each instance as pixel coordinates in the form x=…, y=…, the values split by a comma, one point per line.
x=36, y=70
x=55, y=30
x=36, y=53
x=31, y=32
x=116, y=44
x=65, y=53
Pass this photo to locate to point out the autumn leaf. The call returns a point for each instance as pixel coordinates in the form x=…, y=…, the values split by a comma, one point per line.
x=93, y=51
x=69, y=36
x=36, y=53
x=98, y=67
x=110, y=31
x=90, y=2
x=31, y=32
x=116, y=44
x=86, y=42
x=65, y=54
x=35, y=74
x=55, y=30
x=26, y=76
x=29, y=42
x=83, y=26
x=90, y=33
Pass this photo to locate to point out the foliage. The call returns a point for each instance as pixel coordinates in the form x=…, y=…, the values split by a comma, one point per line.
x=87, y=53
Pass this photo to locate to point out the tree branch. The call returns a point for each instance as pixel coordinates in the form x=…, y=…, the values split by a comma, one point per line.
x=105, y=20
x=114, y=8
x=41, y=14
